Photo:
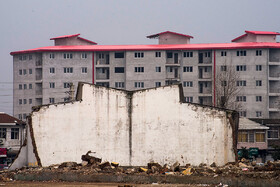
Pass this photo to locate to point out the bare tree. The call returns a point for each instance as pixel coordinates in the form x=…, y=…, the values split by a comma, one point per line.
x=226, y=88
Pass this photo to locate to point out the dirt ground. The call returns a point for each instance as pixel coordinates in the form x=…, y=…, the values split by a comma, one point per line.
x=77, y=184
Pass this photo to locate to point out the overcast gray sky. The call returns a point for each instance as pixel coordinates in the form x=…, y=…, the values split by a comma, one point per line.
x=27, y=24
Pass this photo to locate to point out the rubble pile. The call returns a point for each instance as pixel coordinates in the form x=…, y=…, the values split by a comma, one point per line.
x=93, y=165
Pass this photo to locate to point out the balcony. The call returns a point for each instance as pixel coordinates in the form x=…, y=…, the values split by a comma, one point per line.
x=38, y=62
x=38, y=77
x=101, y=62
x=274, y=91
x=102, y=73
x=205, y=57
x=38, y=92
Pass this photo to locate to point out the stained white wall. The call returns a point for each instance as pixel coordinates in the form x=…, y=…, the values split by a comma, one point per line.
x=162, y=129
x=98, y=123
x=165, y=130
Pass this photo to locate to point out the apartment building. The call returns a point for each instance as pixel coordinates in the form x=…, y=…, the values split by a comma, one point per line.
x=43, y=75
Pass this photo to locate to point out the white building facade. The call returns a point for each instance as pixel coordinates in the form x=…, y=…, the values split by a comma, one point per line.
x=43, y=75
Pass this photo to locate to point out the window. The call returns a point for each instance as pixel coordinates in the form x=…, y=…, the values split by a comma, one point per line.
x=20, y=101
x=24, y=57
x=119, y=84
x=169, y=69
x=242, y=136
x=207, y=54
x=258, y=52
x=273, y=133
x=52, y=85
x=51, y=99
x=241, y=98
x=188, y=69
x=30, y=86
x=242, y=113
x=24, y=101
x=101, y=55
x=188, y=84
x=83, y=55
x=20, y=72
x=14, y=133
x=189, y=99
x=241, y=53
x=20, y=86
x=158, y=84
x=258, y=83
x=223, y=53
x=65, y=99
x=25, y=86
x=260, y=136
x=158, y=69
x=84, y=69
x=51, y=55
x=259, y=98
x=258, y=113
x=169, y=55
x=52, y=70
x=139, y=84
x=258, y=67
x=119, y=55
x=68, y=70
x=30, y=71
x=24, y=72
x=139, y=55
x=3, y=132
x=241, y=68
x=30, y=101
x=67, y=55
x=30, y=57
x=188, y=54
x=139, y=69
x=223, y=68
x=158, y=54
x=119, y=69
x=66, y=84
x=241, y=83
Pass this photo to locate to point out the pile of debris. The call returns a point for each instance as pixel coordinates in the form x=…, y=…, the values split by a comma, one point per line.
x=94, y=165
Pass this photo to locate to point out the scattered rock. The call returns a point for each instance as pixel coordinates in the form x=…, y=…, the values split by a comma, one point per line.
x=143, y=169
x=68, y=164
x=84, y=163
x=90, y=159
x=242, y=165
x=213, y=165
x=104, y=164
x=188, y=171
x=176, y=167
x=115, y=164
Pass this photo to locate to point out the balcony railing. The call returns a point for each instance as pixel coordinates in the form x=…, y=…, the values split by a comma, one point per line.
x=38, y=77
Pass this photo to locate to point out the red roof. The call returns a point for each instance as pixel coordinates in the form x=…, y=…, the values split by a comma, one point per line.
x=249, y=45
x=157, y=35
x=87, y=40
x=65, y=36
x=5, y=118
x=256, y=33
x=263, y=32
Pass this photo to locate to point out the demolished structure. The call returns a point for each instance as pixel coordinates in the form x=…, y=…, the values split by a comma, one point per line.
x=130, y=127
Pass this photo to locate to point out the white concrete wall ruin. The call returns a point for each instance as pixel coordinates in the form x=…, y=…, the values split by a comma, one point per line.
x=133, y=128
